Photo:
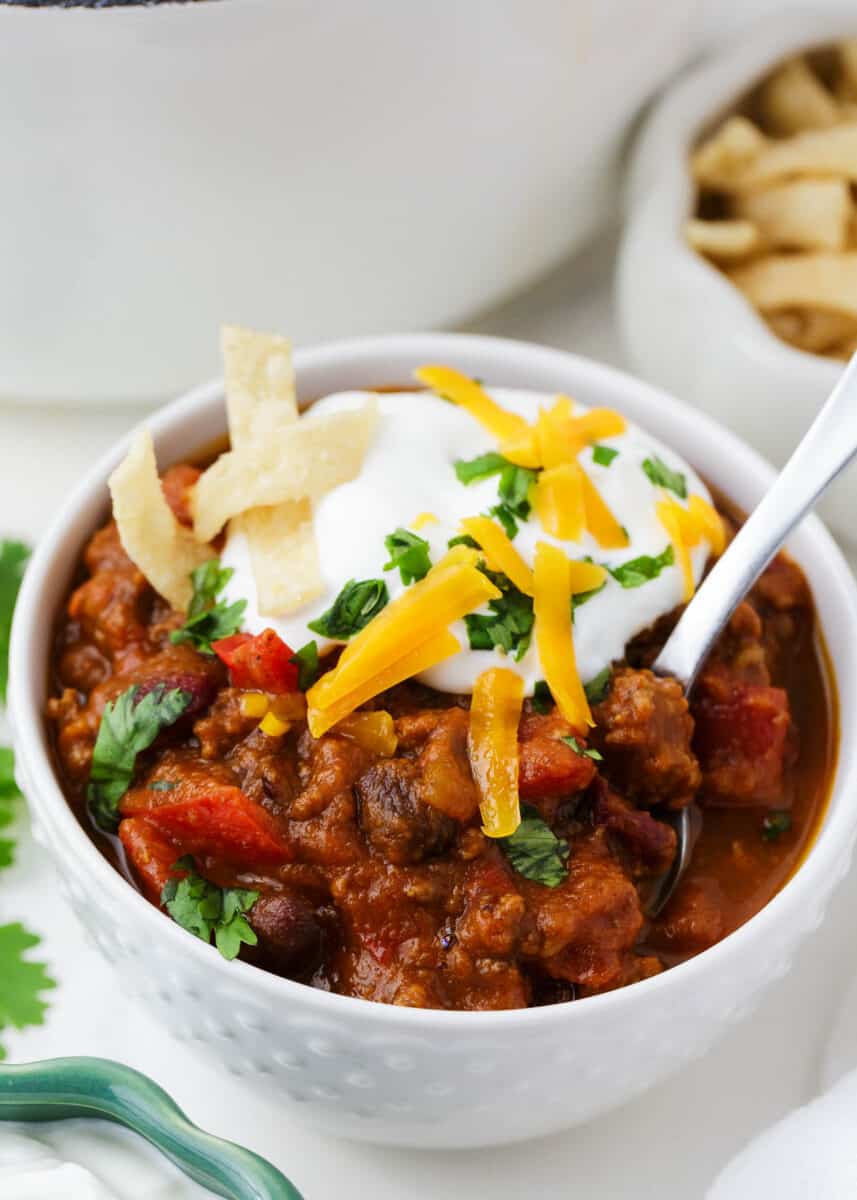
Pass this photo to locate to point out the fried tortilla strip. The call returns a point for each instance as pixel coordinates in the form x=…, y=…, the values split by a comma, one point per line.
x=723, y=239
x=260, y=383
x=814, y=329
x=727, y=153
x=153, y=539
x=261, y=400
x=794, y=99
x=803, y=214
x=818, y=152
x=848, y=69
x=825, y=281
x=302, y=461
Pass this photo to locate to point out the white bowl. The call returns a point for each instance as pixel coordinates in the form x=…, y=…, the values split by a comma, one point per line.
x=402, y=1075
x=684, y=326
x=330, y=169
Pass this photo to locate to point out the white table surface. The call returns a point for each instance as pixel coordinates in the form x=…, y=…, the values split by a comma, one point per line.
x=668, y=1144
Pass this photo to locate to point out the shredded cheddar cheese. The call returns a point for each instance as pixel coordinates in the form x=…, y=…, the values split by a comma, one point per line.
x=552, y=593
x=686, y=528
x=422, y=519
x=501, y=555
x=493, y=747
x=600, y=521
x=558, y=501
x=469, y=395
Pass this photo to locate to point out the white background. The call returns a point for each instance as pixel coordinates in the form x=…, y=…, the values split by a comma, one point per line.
x=669, y=1144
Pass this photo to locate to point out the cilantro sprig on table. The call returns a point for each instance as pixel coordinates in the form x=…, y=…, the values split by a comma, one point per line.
x=128, y=726
x=9, y=795
x=208, y=618
x=535, y=851
x=13, y=559
x=203, y=909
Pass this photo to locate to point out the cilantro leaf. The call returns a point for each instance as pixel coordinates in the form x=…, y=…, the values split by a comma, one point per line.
x=126, y=728
x=13, y=560
x=463, y=539
x=306, y=661
x=203, y=909
x=535, y=851
x=663, y=476
x=775, y=825
x=603, y=455
x=352, y=610
x=509, y=625
x=209, y=619
x=638, y=571
x=598, y=686
x=583, y=751
x=480, y=468
x=542, y=699
x=410, y=553
x=9, y=795
x=22, y=981
x=506, y=518
x=514, y=489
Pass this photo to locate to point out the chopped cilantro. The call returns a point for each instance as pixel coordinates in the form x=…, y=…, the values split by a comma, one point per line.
x=410, y=553
x=583, y=597
x=598, y=686
x=542, y=698
x=463, y=539
x=506, y=518
x=23, y=981
x=306, y=661
x=535, y=851
x=638, y=571
x=13, y=560
x=583, y=751
x=480, y=468
x=509, y=625
x=209, y=619
x=775, y=825
x=352, y=610
x=514, y=489
x=662, y=476
x=203, y=908
x=603, y=455
x=127, y=727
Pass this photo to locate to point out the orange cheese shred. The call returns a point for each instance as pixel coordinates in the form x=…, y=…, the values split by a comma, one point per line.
x=493, y=748
x=471, y=396
x=600, y=521
x=686, y=528
x=428, y=654
x=709, y=522
x=501, y=554
x=552, y=592
x=558, y=501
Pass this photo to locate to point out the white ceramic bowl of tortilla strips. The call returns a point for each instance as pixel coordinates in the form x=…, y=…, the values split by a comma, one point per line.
x=684, y=325
x=408, y=1076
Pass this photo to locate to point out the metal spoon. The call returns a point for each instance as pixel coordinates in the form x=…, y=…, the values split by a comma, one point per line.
x=824, y=451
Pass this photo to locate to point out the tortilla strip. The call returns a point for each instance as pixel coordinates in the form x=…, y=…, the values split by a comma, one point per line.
x=728, y=152
x=261, y=400
x=260, y=383
x=827, y=281
x=814, y=329
x=306, y=459
x=794, y=99
x=803, y=214
x=158, y=545
x=722, y=239
x=822, y=152
x=283, y=554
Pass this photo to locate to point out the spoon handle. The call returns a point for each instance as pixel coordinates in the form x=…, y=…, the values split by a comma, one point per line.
x=827, y=447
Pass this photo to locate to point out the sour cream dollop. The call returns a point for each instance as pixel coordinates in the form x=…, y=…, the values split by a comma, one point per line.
x=409, y=470
x=87, y=1160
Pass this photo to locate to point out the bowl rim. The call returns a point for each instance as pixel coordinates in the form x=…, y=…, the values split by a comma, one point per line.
x=705, y=91
x=502, y=356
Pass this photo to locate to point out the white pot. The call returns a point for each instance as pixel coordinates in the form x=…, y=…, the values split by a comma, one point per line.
x=322, y=168
x=419, y=1077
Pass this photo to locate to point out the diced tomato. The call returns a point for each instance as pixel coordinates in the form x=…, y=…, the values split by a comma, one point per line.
x=218, y=821
x=150, y=854
x=743, y=739
x=262, y=661
x=548, y=766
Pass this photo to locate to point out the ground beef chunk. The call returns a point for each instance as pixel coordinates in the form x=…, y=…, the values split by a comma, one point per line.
x=177, y=483
x=200, y=675
x=224, y=725
x=396, y=822
x=644, y=730
x=439, y=739
x=583, y=930
x=110, y=610
x=646, y=846
x=743, y=738
x=266, y=771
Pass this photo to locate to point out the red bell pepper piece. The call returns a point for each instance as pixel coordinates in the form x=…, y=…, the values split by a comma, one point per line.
x=217, y=821
x=263, y=661
x=151, y=856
